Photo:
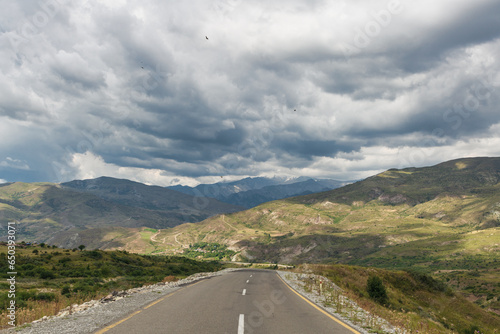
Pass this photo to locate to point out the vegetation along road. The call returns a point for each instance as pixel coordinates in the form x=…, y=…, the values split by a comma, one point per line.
x=244, y=301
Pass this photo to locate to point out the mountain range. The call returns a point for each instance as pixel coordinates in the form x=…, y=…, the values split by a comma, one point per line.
x=83, y=211
x=250, y=192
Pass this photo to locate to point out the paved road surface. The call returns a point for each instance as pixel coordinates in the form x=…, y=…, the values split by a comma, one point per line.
x=242, y=302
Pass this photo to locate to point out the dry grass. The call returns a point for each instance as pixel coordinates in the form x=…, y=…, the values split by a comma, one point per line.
x=169, y=279
x=36, y=309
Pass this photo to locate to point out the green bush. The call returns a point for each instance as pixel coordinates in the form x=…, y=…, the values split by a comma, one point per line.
x=427, y=281
x=46, y=274
x=471, y=330
x=94, y=254
x=65, y=259
x=45, y=296
x=376, y=290
x=66, y=290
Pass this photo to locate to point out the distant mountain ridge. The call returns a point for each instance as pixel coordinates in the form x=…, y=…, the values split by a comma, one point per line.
x=250, y=192
x=77, y=212
x=135, y=194
x=100, y=212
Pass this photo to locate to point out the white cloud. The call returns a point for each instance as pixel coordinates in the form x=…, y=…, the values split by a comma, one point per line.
x=89, y=166
x=14, y=163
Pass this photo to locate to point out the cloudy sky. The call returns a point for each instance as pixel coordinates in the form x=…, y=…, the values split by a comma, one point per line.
x=167, y=92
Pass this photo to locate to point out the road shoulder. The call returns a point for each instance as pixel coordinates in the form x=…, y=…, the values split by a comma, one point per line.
x=344, y=310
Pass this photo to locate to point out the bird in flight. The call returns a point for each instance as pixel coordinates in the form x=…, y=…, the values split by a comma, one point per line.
x=206, y=37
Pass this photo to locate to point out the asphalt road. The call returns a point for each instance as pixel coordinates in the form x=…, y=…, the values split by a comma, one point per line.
x=242, y=302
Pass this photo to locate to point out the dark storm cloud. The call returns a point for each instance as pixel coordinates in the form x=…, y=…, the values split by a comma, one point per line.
x=136, y=90
x=476, y=25
x=317, y=148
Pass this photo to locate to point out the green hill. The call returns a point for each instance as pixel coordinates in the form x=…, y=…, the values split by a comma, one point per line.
x=418, y=185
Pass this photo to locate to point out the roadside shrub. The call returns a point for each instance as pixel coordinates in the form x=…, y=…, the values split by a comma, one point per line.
x=45, y=296
x=94, y=254
x=83, y=288
x=4, y=301
x=27, y=266
x=428, y=282
x=66, y=290
x=46, y=274
x=23, y=296
x=376, y=290
x=137, y=273
x=471, y=330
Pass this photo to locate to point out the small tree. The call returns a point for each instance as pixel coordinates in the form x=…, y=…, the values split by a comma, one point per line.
x=376, y=290
x=81, y=247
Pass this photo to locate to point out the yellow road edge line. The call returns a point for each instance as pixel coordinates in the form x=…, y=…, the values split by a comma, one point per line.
x=107, y=328
x=319, y=308
x=159, y=300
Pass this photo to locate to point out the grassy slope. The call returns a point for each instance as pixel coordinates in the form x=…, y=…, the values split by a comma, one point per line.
x=44, y=272
x=416, y=302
